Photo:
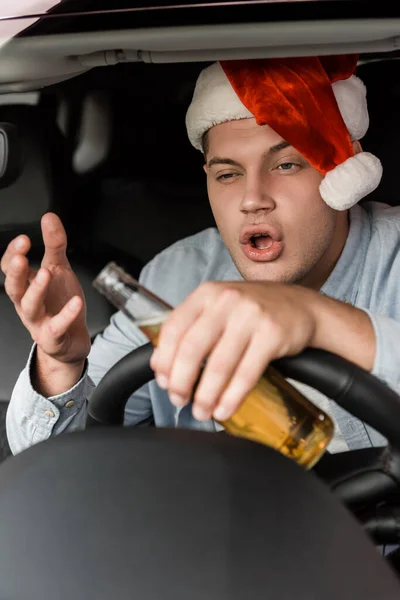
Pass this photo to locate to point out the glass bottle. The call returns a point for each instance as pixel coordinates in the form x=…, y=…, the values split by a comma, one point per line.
x=274, y=413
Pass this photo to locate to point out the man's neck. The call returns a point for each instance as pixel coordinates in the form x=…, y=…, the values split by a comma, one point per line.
x=319, y=275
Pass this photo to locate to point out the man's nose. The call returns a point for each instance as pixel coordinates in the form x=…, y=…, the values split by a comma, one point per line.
x=256, y=196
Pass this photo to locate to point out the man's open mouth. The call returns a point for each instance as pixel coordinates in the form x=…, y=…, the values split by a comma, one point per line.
x=261, y=243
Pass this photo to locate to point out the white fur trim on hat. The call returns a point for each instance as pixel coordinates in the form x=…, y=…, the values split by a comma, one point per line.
x=351, y=181
x=351, y=96
x=214, y=102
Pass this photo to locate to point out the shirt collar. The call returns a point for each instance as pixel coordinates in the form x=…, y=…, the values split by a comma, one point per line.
x=343, y=282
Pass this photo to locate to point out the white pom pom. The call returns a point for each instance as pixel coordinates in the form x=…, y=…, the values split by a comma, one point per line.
x=351, y=181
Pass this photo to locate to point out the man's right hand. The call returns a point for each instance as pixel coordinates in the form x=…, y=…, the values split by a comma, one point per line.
x=51, y=305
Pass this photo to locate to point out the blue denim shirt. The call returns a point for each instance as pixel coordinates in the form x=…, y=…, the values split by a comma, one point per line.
x=367, y=275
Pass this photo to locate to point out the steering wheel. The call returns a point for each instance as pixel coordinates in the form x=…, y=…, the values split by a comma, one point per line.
x=171, y=514
x=365, y=480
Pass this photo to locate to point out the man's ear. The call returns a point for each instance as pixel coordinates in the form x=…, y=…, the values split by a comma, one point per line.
x=205, y=168
x=357, y=147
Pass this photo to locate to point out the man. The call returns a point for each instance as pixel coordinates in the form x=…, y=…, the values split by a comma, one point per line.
x=285, y=171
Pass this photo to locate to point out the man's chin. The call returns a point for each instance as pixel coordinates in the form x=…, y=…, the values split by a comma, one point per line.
x=268, y=271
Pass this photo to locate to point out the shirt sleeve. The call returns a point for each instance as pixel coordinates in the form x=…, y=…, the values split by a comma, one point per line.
x=32, y=418
x=387, y=356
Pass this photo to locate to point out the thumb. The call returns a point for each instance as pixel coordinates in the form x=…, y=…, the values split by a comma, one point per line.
x=55, y=241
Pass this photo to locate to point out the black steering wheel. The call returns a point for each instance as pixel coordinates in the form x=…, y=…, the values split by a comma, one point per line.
x=172, y=514
x=364, y=479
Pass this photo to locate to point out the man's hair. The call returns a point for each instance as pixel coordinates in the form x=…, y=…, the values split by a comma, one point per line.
x=204, y=143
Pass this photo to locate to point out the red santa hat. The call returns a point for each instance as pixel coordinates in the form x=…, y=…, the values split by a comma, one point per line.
x=318, y=105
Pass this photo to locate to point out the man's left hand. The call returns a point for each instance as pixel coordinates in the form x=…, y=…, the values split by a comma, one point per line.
x=240, y=327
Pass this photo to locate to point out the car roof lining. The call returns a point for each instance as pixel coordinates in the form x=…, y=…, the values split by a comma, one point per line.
x=35, y=62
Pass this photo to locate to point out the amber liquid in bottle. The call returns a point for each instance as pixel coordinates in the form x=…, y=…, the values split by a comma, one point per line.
x=274, y=413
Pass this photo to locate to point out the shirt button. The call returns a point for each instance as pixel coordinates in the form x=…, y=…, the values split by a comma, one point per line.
x=49, y=413
x=69, y=404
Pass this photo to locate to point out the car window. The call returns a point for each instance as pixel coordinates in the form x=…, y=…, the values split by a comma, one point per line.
x=10, y=27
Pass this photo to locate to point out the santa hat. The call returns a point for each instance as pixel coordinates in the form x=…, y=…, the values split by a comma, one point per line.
x=316, y=104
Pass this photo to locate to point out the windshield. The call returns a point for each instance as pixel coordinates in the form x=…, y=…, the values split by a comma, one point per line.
x=99, y=104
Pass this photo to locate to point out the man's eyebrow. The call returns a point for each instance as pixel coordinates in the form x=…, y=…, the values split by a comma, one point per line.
x=278, y=147
x=217, y=160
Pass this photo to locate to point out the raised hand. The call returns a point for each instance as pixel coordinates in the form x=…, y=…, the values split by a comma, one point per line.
x=49, y=302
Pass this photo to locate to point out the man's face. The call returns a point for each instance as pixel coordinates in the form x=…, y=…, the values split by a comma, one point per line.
x=260, y=185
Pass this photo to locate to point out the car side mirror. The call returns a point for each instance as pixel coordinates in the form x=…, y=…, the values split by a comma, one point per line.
x=10, y=154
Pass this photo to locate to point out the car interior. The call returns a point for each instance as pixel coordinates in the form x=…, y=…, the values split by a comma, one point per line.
x=100, y=133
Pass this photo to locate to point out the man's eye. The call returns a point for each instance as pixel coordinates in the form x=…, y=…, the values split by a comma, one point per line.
x=226, y=177
x=288, y=166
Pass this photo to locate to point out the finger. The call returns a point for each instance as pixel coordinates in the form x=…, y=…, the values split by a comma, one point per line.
x=58, y=326
x=19, y=246
x=55, y=240
x=248, y=373
x=191, y=353
x=220, y=368
x=16, y=282
x=176, y=326
x=32, y=303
